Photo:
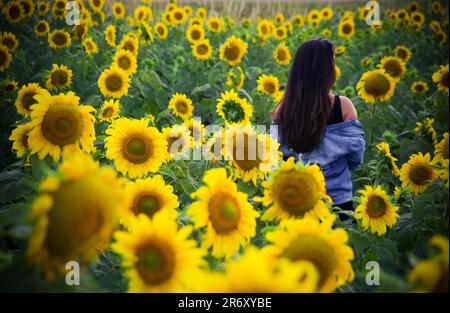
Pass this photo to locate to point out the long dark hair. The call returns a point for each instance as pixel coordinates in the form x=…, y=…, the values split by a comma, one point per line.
x=306, y=105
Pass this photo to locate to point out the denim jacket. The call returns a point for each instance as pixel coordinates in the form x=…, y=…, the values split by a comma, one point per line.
x=341, y=150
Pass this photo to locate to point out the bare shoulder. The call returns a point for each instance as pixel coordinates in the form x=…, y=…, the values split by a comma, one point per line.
x=348, y=109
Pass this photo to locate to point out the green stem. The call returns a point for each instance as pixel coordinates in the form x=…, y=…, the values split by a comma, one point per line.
x=372, y=115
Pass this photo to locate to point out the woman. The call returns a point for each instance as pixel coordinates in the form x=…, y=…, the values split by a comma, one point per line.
x=317, y=126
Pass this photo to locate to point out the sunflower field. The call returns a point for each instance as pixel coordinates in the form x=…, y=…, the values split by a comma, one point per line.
x=119, y=141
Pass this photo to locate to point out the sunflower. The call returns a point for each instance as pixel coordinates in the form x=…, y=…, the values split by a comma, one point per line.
x=376, y=86
x=295, y=191
x=235, y=77
x=90, y=47
x=161, y=30
x=5, y=58
x=96, y=5
x=196, y=131
x=9, y=40
x=125, y=60
x=202, y=50
x=346, y=29
x=299, y=21
x=181, y=106
x=109, y=111
x=114, y=82
x=403, y=53
x=43, y=7
x=19, y=137
x=212, y=149
x=142, y=14
x=281, y=55
x=59, y=39
x=314, y=16
x=376, y=210
x=110, y=35
x=156, y=255
x=9, y=86
x=440, y=78
x=60, y=126
x=268, y=84
x=178, y=16
x=150, y=196
x=233, y=50
x=309, y=240
x=229, y=218
x=326, y=13
x=215, y=24
x=265, y=29
x=13, y=12
x=418, y=173
x=26, y=98
x=118, y=10
x=441, y=38
x=42, y=28
x=80, y=31
x=73, y=215
x=178, y=141
x=441, y=149
x=233, y=109
x=135, y=147
x=340, y=50
x=246, y=22
x=280, y=33
x=394, y=67
x=431, y=275
x=131, y=43
x=59, y=77
x=251, y=155
x=385, y=150
x=195, y=33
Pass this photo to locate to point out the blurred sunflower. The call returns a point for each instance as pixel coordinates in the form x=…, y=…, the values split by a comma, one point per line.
x=73, y=215
x=148, y=196
x=110, y=35
x=440, y=78
x=294, y=191
x=19, y=137
x=280, y=33
x=393, y=66
x=42, y=7
x=114, y=82
x=326, y=13
x=42, y=28
x=181, y=106
x=58, y=39
x=129, y=42
x=376, y=86
x=385, y=150
x=215, y=24
x=268, y=84
x=10, y=86
x=235, y=77
x=340, y=50
x=125, y=60
x=419, y=87
x=142, y=14
x=9, y=40
x=90, y=47
x=403, y=53
x=178, y=16
x=26, y=98
x=61, y=126
x=418, y=173
x=309, y=240
x=202, y=50
x=229, y=218
x=233, y=50
x=80, y=31
x=233, y=109
x=135, y=147
x=118, y=10
x=5, y=58
x=156, y=255
x=251, y=155
x=59, y=77
x=346, y=29
x=195, y=33
x=196, y=131
x=178, y=141
x=376, y=210
x=441, y=149
x=281, y=55
x=13, y=12
x=109, y=111
x=161, y=30
x=265, y=29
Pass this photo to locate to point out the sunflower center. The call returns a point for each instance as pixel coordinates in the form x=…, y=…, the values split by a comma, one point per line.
x=137, y=150
x=419, y=87
x=245, y=160
x=41, y=28
x=393, y=68
x=14, y=12
x=347, y=29
x=118, y=10
x=196, y=35
x=147, y=204
x=315, y=250
x=232, y=52
x=178, y=16
x=296, y=193
x=59, y=39
x=3, y=57
x=224, y=213
x=282, y=55
x=8, y=42
x=76, y=221
x=214, y=25
x=28, y=100
x=377, y=85
x=114, y=82
x=160, y=31
x=60, y=5
x=233, y=111
x=155, y=263
x=108, y=112
x=376, y=207
x=420, y=174
x=128, y=45
x=124, y=62
x=62, y=124
x=269, y=87
x=59, y=78
x=202, y=49
x=444, y=80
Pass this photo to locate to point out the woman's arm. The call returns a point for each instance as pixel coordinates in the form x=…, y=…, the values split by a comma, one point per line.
x=348, y=109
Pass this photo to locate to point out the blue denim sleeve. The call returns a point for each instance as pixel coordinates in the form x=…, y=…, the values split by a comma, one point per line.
x=355, y=156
